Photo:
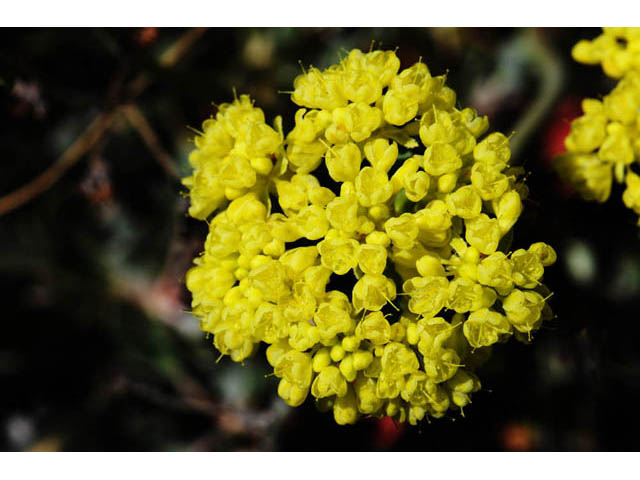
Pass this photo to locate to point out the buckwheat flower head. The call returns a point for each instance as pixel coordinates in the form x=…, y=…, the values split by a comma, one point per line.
x=617, y=49
x=364, y=247
x=604, y=143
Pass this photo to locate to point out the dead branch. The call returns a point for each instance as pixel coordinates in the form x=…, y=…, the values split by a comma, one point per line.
x=70, y=157
x=103, y=121
x=139, y=122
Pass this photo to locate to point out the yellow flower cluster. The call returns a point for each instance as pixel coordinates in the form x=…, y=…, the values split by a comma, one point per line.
x=234, y=155
x=384, y=186
x=604, y=142
x=617, y=49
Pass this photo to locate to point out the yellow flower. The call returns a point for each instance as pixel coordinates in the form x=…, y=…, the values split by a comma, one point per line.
x=269, y=323
x=316, y=89
x=338, y=254
x=508, y=209
x=488, y=181
x=353, y=122
x=342, y=212
x=305, y=157
x=375, y=328
x=461, y=385
x=493, y=151
x=345, y=409
x=373, y=187
x=465, y=295
x=372, y=258
x=401, y=104
x=329, y=382
x=413, y=231
x=545, y=253
x=381, y=153
x=382, y=65
x=587, y=133
x=372, y=292
x=441, y=158
x=294, y=368
x=483, y=233
x=331, y=320
x=590, y=176
x=343, y=162
x=616, y=49
x=527, y=268
x=434, y=217
x=368, y=400
x=484, y=327
x=523, y=309
x=402, y=231
x=496, y=271
x=605, y=141
x=464, y=202
x=399, y=360
x=310, y=124
x=428, y=295
x=631, y=195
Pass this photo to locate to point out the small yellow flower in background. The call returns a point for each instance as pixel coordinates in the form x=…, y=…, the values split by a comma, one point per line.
x=631, y=195
x=410, y=219
x=604, y=143
x=617, y=49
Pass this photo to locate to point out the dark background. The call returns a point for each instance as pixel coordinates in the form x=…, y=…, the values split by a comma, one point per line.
x=97, y=351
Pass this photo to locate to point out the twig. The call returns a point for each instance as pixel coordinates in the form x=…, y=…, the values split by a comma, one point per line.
x=195, y=398
x=176, y=51
x=70, y=157
x=142, y=126
x=233, y=420
x=550, y=72
x=95, y=131
x=168, y=59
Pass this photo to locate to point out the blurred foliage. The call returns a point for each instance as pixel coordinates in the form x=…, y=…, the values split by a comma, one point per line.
x=98, y=350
